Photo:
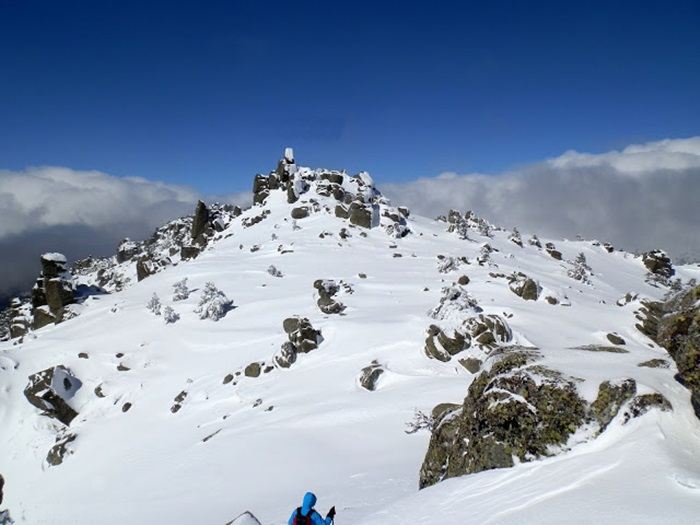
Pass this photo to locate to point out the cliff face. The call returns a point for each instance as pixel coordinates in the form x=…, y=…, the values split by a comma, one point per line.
x=677, y=328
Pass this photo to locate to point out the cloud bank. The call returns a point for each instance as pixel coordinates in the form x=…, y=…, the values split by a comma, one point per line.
x=644, y=197
x=78, y=213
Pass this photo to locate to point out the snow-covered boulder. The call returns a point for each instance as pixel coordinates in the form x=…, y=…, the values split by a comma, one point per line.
x=51, y=390
x=513, y=411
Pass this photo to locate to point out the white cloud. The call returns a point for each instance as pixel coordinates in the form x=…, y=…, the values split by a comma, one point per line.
x=645, y=196
x=78, y=213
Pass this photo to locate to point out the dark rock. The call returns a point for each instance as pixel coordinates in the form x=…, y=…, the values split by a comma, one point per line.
x=552, y=251
x=252, y=370
x=189, y=252
x=300, y=213
x=148, y=265
x=610, y=398
x=126, y=407
x=291, y=324
x=177, y=405
x=49, y=391
x=200, y=221
x=615, y=339
x=53, y=265
x=287, y=355
x=640, y=405
x=677, y=324
x=126, y=250
x=59, y=293
x=655, y=363
x=463, y=280
x=360, y=215
x=303, y=338
x=370, y=375
x=261, y=188
x=38, y=294
x=658, y=263
x=341, y=212
x=525, y=287
x=43, y=317
x=60, y=450
x=472, y=364
x=327, y=289
x=603, y=348
x=336, y=178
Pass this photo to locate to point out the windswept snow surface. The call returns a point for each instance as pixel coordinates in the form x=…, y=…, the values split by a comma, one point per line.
x=260, y=443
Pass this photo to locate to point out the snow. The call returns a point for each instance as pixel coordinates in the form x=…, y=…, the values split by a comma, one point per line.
x=55, y=257
x=259, y=443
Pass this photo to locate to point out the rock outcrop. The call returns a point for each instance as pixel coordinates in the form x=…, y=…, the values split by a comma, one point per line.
x=658, y=263
x=50, y=390
x=517, y=410
x=302, y=338
x=675, y=325
x=53, y=291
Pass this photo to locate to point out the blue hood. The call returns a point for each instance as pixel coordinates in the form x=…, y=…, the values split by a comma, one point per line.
x=309, y=502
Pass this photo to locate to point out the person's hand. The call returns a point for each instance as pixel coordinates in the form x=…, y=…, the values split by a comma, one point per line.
x=331, y=513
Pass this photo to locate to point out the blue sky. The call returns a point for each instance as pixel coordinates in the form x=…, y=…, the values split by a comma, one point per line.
x=209, y=93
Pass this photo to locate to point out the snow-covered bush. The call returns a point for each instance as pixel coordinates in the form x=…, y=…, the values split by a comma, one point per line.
x=484, y=227
x=516, y=238
x=454, y=303
x=534, y=241
x=272, y=270
x=154, y=304
x=421, y=421
x=213, y=303
x=580, y=269
x=484, y=256
x=180, y=290
x=448, y=264
x=170, y=315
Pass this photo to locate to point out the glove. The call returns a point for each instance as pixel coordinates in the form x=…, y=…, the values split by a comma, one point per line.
x=331, y=513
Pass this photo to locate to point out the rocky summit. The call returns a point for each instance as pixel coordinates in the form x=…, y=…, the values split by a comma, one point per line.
x=406, y=369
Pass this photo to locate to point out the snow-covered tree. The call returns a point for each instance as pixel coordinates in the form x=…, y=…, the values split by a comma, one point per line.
x=534, y=241
x=516, y=238
x=180, y=290
x=448, y=264
x=154, y=304
x=272, y=270
x=454, y=303
x=580, y=269
x=213, y=303
x=170, y=315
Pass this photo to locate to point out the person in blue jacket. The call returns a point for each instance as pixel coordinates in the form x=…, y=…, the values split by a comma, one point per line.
x=306, y=514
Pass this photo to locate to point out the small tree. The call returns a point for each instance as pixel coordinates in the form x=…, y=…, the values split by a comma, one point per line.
x=516, y=238
x=180, y=290
x=170, y=315
x=272, y=270
x=154, y=305
x=213, y=304
x=534, y=241
x=580, y=269
x=421, y=421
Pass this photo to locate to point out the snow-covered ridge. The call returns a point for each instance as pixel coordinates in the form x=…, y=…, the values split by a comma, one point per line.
x=329, y=351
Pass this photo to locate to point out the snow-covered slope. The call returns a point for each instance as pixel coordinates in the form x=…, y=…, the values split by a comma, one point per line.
x=172, y=427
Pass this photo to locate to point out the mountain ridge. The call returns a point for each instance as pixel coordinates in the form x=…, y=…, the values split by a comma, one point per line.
x=371, y=319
